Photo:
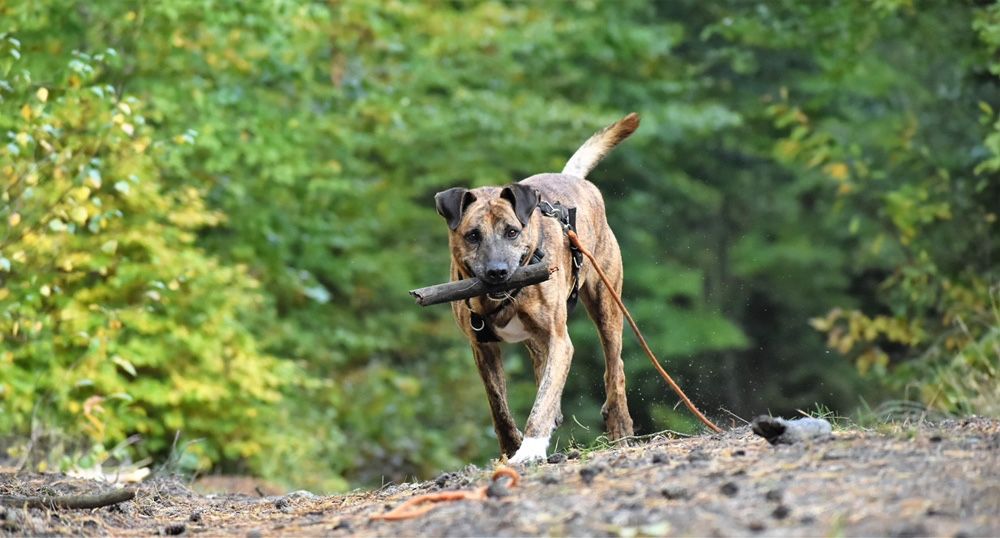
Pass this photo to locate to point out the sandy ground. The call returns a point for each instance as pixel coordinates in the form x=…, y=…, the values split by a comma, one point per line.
x=899, y=480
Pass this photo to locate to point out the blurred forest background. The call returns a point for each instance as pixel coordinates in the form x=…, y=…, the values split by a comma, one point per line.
x=212, y=211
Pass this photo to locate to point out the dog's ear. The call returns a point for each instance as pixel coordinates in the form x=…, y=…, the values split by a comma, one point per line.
x=451, y=204
x=523, y=198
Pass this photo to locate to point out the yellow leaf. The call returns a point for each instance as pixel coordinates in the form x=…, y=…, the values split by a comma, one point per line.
x=79, y=214
x=45, y=290
x=14, y=219
x=26, y=112
x=838, y=171
x=42, y=94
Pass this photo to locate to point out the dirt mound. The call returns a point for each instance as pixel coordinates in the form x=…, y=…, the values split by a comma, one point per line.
x=935, y=479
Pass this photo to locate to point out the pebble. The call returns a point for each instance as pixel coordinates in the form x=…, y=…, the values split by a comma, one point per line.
x=729, y=489
x=773, y=495
x=660, y=457
x=195, y=517
x=557, y=457
x=573, y=454
x=442, y=480
x=781, y=512
x=8, y=521
x=588, y=474
x=497, y=489
x=175, y=529
x=255, y=533
x=550, y=479
x=342, y=525
x=698, y=455
x=281, y=503
x=757, y=526
x=675, y=493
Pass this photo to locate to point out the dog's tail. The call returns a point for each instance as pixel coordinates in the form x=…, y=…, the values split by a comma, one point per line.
x=599, y=145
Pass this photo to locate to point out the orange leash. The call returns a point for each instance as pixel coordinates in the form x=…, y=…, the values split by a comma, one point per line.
x=421, y=504
x=642, y=341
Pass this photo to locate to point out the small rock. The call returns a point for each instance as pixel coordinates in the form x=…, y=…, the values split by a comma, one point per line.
x=573, y=454
x=698, y=455
x=255, y=533
x=757, y=526
x=556, y=458
x=195, y=517
x=807, y=520
x=675, y=493
x=497, y=489
x=8, y=521
x=282, y=503
x=936, y=439
x=342, y=525
x=660, y=457
x=729, y=489
x=588, y=474
x=781, y=512
x=550, y=479
x=740, y=452
x=773, y=495
x=442, y=480
x=175, y=529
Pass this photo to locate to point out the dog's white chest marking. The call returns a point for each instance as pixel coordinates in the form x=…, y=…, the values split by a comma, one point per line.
x=513, y=331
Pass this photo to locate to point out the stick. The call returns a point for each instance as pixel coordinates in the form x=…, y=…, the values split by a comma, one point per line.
x=72, y=502
x=473, y=287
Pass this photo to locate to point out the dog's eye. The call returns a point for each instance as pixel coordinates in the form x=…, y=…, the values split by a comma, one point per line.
x=474, y=236
x=512, y=232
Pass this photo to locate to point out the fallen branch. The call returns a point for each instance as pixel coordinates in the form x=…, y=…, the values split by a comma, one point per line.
x=473, y=287
x=71, y=502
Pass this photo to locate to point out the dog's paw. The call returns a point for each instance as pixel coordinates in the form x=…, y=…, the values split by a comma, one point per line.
x=532, y=450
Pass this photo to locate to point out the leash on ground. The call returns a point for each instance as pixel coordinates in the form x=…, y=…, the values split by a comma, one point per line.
x=575, y=241
x=421, y=504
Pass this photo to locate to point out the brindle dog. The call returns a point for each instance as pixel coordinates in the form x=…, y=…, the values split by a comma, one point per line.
x=493, y=231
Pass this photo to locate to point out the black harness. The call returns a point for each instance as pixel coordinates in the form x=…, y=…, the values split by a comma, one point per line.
x=567, y=218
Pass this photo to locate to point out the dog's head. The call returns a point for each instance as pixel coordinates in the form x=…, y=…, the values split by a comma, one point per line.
x=490, y=228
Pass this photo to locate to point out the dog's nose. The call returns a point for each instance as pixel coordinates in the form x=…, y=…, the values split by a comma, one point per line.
x=497, y=273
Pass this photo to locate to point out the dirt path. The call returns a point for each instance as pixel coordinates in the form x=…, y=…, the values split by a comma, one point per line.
x=938, y=479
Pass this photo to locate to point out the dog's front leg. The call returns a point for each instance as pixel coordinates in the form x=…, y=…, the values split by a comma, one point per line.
x=545, y=413
x=489, y=360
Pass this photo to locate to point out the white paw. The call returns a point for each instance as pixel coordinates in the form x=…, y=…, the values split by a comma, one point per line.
x=532, y=450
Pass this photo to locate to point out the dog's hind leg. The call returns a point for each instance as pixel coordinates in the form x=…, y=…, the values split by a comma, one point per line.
x=604, y=312
x=489, y=360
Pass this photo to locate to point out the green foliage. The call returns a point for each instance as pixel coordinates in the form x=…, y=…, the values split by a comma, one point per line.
x=112, y=321
x=216, y=223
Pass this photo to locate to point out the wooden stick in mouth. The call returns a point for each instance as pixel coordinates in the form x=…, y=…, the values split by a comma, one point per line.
x=473, y=287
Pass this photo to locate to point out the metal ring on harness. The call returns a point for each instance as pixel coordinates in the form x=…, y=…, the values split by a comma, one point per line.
x=481, y=326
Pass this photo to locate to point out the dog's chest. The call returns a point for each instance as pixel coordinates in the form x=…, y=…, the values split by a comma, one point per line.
x=513, y=331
